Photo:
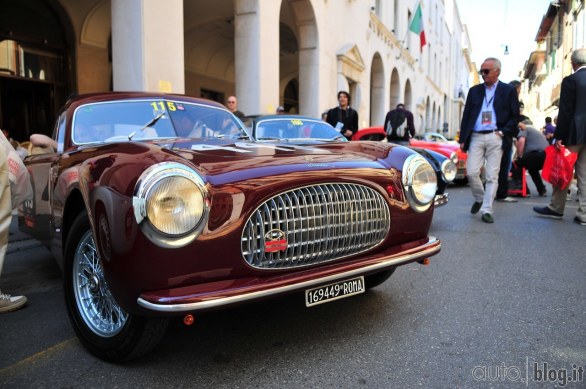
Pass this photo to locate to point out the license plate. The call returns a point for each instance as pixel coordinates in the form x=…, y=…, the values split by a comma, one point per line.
x=335, y=291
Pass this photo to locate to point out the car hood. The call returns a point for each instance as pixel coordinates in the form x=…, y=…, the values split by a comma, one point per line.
x=217, y=157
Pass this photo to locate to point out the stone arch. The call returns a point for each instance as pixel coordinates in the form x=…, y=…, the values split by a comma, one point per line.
x=408, y=99
x=427, y=123
x=394, y=89
x=302, y=18
x=377, y=88
x=409, y=103
x=96, y=27
x=433, y=122
x=350, y=68
x=209, y=49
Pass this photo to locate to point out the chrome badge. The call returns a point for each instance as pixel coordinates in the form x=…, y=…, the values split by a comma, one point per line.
x=275, y=240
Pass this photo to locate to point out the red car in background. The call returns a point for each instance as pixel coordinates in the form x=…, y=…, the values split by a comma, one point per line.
x=429, y=141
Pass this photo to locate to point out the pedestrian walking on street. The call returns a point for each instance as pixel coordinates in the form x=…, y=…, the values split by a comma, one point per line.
x=7, y=302
x=343, y=117
x=570, y=131
x=489, y=122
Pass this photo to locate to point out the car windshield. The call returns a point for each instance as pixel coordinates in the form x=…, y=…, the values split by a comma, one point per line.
x=295, y=129
x=153, y=119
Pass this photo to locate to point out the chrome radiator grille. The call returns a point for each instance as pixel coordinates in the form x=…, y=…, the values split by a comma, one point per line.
x=315, y=224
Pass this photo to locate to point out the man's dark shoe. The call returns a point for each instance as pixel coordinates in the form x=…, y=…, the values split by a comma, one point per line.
x=546, y=212
x=476, y=207
x=579, y=221
x=487, y=218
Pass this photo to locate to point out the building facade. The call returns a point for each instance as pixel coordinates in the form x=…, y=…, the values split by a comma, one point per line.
x=562, y=30
x=295, y=53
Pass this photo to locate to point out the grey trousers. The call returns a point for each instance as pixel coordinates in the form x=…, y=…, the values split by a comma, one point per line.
x=485, y=150
x=558, y=198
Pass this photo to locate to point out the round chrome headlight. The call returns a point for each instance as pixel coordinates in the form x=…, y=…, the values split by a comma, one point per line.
x=171, y=204
x=449, y=170
x=420, y=182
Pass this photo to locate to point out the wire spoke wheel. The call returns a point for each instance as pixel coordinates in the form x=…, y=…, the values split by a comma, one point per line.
x=95, y=304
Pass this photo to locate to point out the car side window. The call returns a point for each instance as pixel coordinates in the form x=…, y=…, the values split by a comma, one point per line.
x=59, y=134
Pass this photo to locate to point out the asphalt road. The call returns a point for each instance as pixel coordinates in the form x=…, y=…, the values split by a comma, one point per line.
x=501, y=306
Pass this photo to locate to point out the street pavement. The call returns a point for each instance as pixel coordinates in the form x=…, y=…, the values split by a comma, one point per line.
x=502, y=306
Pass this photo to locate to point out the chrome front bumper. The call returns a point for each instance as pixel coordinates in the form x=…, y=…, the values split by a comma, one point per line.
x=441, y=199
x=194, y=302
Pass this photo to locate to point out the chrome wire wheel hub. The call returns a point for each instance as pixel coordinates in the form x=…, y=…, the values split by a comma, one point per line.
x=95, y=304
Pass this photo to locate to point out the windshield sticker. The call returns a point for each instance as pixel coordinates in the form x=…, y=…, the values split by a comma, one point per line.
x=159, y=106
x=296, y=122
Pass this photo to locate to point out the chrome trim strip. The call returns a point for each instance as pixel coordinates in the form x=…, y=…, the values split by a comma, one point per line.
x=433, y=246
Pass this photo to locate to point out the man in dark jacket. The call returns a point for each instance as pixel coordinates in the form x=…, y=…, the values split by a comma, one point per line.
x=344, y=118
x=489, y=122
x=399, y=125
x=570, y=131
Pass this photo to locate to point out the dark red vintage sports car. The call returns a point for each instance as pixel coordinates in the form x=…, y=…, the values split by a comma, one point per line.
x=161, y=205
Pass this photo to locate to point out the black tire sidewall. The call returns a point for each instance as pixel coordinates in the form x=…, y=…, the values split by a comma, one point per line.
x=123, y=345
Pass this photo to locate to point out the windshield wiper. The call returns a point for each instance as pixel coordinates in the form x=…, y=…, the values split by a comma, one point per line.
x=274, y=138
x=150, y=123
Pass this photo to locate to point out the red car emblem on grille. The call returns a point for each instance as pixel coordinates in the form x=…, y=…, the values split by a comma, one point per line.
x=275, y=241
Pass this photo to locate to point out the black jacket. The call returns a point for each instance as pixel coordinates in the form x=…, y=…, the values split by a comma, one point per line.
x=571, y=123
x=348, y=117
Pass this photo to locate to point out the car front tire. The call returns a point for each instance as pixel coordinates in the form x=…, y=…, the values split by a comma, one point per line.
x=101, y=325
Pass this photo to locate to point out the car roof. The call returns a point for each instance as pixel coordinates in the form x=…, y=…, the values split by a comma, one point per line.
x=78, y=100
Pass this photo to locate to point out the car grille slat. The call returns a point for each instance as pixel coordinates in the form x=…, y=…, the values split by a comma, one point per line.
x=315, y=224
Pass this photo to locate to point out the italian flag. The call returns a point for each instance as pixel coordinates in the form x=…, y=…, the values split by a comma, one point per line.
x=417, y=26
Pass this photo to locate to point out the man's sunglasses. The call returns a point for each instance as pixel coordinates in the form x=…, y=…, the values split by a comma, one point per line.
x=484, y=71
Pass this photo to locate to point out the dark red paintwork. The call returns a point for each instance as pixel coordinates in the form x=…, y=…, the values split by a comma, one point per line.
x=101, y=178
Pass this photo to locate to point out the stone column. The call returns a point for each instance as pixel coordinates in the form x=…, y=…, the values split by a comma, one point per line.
x=309, y=80
x=256, y=45
x=147, y=45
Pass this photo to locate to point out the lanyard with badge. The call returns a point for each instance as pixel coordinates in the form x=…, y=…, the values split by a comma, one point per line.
x=486, y=114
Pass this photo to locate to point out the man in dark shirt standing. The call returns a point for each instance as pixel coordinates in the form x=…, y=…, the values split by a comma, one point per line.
x=343, y=118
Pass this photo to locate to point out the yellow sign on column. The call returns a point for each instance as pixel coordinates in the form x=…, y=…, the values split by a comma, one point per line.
x=165, y=86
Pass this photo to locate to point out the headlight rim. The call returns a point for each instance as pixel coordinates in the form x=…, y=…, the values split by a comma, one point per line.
x=444, y=168
x=410, y=168
x=143, y=187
